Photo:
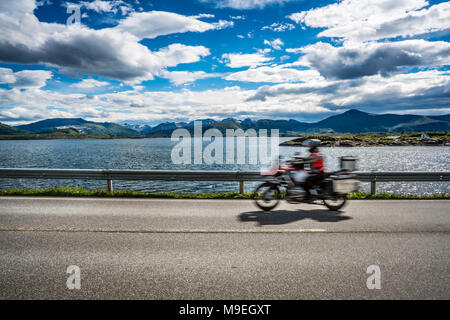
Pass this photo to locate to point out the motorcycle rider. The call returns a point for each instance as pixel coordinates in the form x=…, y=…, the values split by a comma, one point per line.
x=316, y=162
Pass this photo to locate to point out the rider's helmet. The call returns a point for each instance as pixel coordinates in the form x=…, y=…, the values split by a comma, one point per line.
x=312, y=144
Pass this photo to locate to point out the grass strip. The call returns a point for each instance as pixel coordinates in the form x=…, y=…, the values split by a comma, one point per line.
x=83, y=192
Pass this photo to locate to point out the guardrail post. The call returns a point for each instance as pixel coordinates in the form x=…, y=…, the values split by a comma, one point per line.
x=373, y=187
x=241, y=186
x=110, y=185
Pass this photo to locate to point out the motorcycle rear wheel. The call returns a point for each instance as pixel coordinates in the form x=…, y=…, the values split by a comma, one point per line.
x=335, y=203
x=267, y=196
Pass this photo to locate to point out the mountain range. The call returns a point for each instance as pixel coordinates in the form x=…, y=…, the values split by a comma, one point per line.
x=351, y=121
x=81, y=125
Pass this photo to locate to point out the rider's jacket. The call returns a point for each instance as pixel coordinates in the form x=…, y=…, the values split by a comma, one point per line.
x=316, y=162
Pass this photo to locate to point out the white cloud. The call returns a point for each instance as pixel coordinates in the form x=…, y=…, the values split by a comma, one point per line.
x=152, y=106
x=103, y=6
x=377, y=93
x=31, y=78
x=76, y=49
x=89, y=84
x=17, y=7
x=183, y=77
x=294, y=50
x=239, y=60
x=362, y=20
x=223, y=24
x=177, y=53
x=41, y=3
x=276, y=43
x=245, y=4
x=7, y=76
x=203, y=15
x=25, y=78
x=153, y=24
x=412, y=91
x=279, y=27
x=278, y=74
x=358, y=60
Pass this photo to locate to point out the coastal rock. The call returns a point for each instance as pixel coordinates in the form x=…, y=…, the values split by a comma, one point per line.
x=336, y=142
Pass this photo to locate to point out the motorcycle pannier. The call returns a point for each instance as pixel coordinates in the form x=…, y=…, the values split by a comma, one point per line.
x=345, y=186
x=348, y=163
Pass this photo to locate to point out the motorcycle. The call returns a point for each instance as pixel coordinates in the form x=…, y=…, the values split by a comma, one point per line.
x=332, y=191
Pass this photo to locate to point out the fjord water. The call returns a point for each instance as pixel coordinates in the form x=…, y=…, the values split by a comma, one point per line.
x=156, y=154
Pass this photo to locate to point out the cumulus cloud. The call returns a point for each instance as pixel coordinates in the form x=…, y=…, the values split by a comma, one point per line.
x=89, y=84
x=375, y=93
x=25, y=78
x=412, y=91
x=177, y=53
x=279, y=27
x=6, y=76
x=101, y=6
x=239, y=60
x=362, y=20
x=182, y=77
x=74, y=49
x=278, y=74
x=158, y=23
x=17, y=6
x=147, y=106
x=276, y=43
x=105, y=52
x=107, y=6
x=223, y=24
x=353, y=61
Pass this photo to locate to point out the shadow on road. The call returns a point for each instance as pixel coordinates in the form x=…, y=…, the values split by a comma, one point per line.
x=279, y=217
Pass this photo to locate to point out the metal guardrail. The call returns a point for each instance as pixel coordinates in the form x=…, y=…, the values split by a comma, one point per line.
x=239, y=176
x=374, y=177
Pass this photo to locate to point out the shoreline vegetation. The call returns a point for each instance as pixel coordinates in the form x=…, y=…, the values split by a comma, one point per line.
x=83, y=192
x=375, y=139
x=63, y=134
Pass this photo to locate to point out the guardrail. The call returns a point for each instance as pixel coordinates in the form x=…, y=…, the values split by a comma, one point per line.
x=239, y=176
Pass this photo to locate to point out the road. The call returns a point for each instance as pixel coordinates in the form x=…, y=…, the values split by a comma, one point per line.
x=222, y=249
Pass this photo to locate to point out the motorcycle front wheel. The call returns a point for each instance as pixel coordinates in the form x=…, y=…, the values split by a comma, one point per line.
x=267, y=196
x=336, y=202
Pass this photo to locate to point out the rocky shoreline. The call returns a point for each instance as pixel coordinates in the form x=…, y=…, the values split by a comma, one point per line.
x=372, y=143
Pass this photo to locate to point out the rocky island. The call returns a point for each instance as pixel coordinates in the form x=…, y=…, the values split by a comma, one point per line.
x=374, y=140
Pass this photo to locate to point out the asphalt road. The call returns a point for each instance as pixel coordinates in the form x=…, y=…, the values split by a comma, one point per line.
x=222, y=249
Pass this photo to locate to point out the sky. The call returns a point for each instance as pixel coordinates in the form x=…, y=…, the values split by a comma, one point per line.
x=149, y=62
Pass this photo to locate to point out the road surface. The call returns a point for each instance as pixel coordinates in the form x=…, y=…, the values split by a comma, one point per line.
x=222, y=249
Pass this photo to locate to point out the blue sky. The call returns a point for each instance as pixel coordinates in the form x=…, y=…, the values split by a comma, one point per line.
x=156, y=61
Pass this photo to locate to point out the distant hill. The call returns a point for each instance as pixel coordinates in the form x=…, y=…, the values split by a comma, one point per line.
x=351, y=121
x=5, y=129
x=164, y=127
x=356, y=121
x=81, y=125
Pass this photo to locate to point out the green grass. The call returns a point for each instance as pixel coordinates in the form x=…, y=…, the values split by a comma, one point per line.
x=368, y=196
x=83, y=192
